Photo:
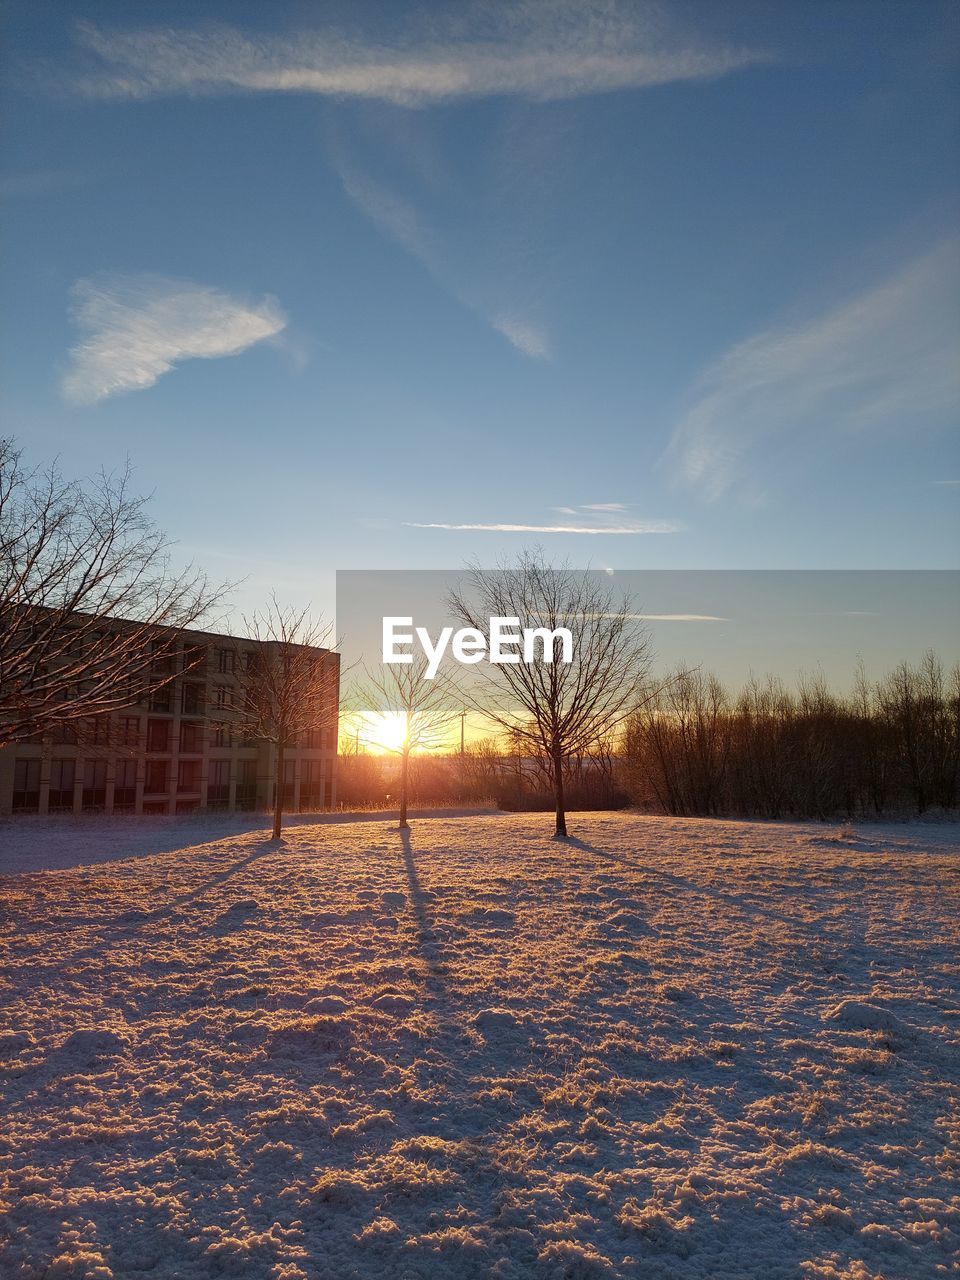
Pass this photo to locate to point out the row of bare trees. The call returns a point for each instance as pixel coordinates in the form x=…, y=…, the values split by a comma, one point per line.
x=93, y=611
x=485, y=772
x=93, y=614
x=554, y=709
x=890, y=746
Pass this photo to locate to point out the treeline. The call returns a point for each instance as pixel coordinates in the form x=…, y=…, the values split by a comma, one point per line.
x=508, y=776
x=889, y=747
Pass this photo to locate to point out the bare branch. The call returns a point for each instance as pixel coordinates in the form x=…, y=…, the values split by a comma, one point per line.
x=559, y=709
x=90, y=605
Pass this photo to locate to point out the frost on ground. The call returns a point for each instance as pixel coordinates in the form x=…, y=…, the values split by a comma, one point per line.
x=669, y=1049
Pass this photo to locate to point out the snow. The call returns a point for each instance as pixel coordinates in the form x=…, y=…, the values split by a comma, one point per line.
x=54, y=843
x=668, y=1048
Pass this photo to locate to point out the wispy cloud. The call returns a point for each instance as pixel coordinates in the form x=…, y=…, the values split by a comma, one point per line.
x=542, y=51
x=600, y=514
x=633, y=527
x=526, y=337
x=662, y=617
x=396, y=217
x=678, y=617
x=399, y=220
x=883, y=359
x=595, y=518
x=135, y=328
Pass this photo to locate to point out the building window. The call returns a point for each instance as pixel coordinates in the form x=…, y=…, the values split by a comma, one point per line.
x=155, y=778
x=94, y=784
x=220, y=736
x=128, y=730
x=191, y=699
x=246, y=784
x=194, y=657
x=226, y=659
x=218, y=792
x=188, y=776
x=125, y=784
x=97, y=731
x=222, y=698
x=163, y=663
x=311, y=784
x=191, y=735
x=135, y=688
x=26, y=786
x=162, y=699
x=62, y=776
x=288, y=773
x=158, y=735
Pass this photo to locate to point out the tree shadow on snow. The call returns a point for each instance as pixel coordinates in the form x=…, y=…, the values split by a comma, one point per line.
x=120, y=931
x=708, y=891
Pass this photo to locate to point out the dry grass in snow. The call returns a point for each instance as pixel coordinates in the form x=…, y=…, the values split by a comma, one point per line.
x=671, y=1049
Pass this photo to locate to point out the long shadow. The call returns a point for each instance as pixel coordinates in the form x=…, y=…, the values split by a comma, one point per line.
x=683, y=882
x=464, y=1058
x=133, y=922
x=427, y=944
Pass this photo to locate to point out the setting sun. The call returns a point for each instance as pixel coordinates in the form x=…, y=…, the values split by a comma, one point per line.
x=384, y=731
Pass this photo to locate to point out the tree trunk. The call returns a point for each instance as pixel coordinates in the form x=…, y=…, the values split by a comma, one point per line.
x=278, y=795
x=561, y=831
x=404, y=760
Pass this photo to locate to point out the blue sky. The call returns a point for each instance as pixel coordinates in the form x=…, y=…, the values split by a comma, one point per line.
x=656, y=287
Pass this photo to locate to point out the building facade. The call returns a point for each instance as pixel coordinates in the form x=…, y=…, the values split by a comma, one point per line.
x=175, y=752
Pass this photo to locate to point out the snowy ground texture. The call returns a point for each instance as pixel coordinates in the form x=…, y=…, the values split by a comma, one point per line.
x=672, y=1049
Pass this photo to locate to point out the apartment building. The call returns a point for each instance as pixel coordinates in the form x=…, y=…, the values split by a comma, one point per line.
x=175, y=752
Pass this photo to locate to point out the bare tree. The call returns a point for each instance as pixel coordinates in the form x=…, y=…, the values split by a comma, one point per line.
x=771, y=752
x=561, y=709
x=91, y=611
x=424, y=709
x=287, y=686
x=676, y=746
x=921, y=708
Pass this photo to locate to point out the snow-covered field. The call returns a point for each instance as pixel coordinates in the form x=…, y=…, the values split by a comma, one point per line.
x=672, y=1049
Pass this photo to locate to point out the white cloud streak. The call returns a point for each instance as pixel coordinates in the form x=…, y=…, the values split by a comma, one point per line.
x=135, y=328
x=528, y=338
x=635, y=527
x=541, y=51
x=401, y=222
x=395, y=217
x=884, y=359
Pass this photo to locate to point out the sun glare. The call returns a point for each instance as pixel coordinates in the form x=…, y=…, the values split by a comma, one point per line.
x=384, y=730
